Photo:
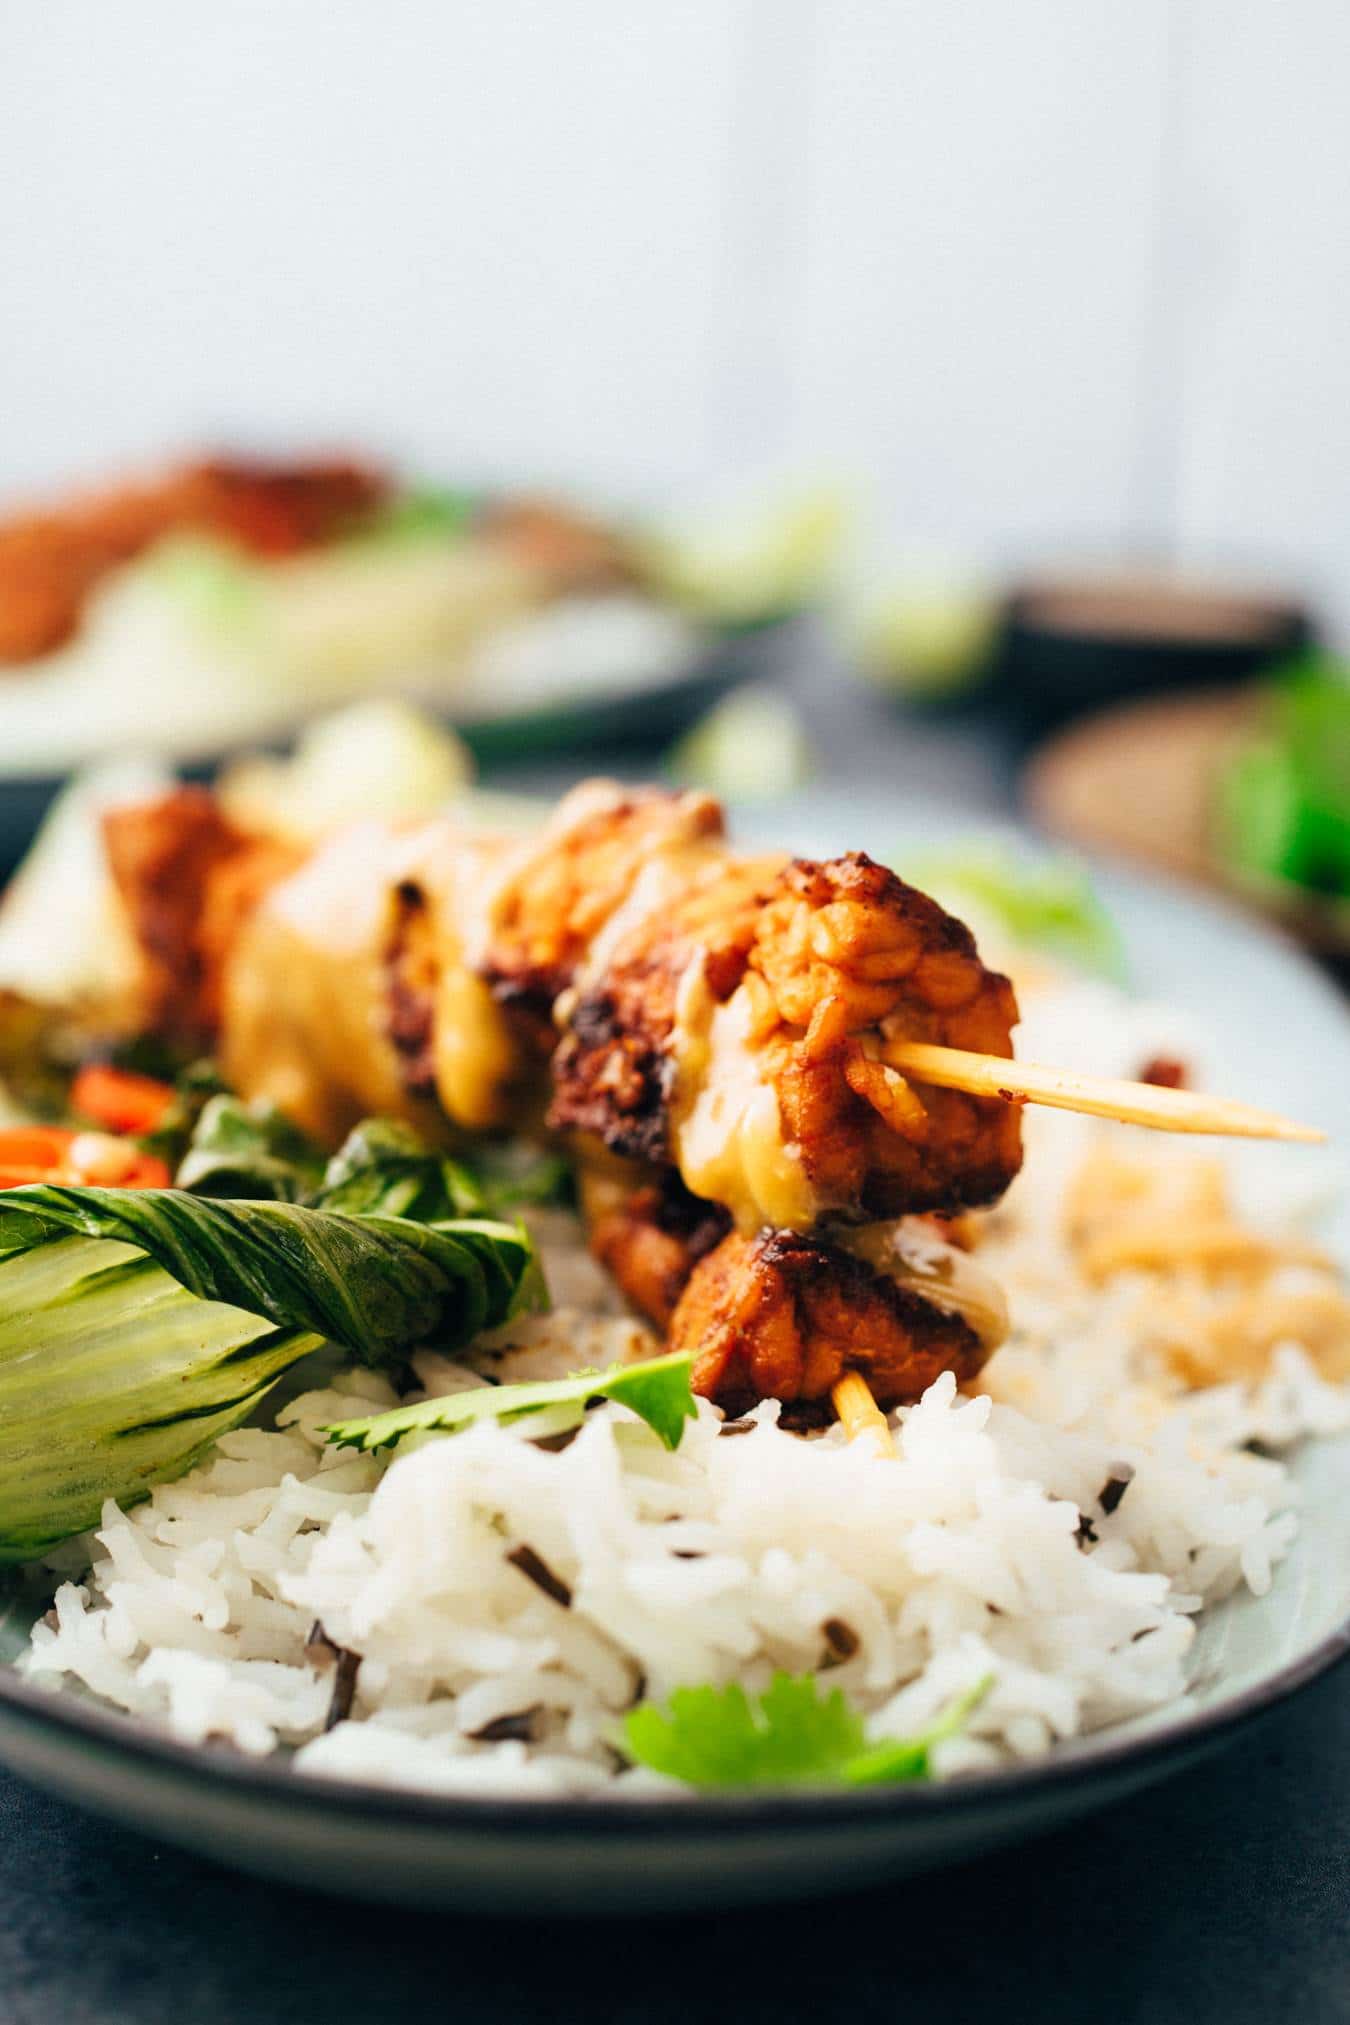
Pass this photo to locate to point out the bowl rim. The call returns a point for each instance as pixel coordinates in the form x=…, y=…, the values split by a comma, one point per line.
x=744, y=1809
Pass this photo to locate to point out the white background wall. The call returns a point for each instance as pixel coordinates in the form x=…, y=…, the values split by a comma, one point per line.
x=1051, y=273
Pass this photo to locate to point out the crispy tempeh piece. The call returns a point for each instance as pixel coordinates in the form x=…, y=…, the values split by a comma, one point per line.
x=784, y=1316
x=726, y=1017
x=739, y=1030
x=647, y=1231
x=785, y=1312
x=565, y=890
x=188, y=880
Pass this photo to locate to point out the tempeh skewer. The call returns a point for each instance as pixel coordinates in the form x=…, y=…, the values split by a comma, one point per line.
x=770, y=1064
x=1147, y=1104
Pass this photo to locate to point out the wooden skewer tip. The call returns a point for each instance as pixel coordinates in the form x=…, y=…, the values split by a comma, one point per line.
x=859, y=1413
x=1147, y=1104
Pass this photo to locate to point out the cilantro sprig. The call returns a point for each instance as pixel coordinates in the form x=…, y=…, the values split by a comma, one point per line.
x=657, y=1390
x=791, y=1735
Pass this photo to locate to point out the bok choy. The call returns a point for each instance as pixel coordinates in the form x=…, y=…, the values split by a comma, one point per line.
x=113, y=1377
x=137, y=1326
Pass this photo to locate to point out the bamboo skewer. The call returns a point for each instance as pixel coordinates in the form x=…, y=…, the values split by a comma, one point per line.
x=859, y=1412
x=1163, y=1110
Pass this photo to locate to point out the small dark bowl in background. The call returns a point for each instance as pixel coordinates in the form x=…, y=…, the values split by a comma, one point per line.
x=1070, y=643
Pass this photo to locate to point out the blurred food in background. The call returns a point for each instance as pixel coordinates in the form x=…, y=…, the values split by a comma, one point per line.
x=752, y=746
x=748, y=560
x=1245, y=788
x=61, y=937
x=381, y=758
x=1226, y=756
x=227, y=600
x=1070, y=642
x=1047, y=648
x=924, y=629
x=1282, y=808
x=52, y=560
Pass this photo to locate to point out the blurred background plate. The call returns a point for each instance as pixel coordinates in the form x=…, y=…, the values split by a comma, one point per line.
x=619, y=714
x=614, y=716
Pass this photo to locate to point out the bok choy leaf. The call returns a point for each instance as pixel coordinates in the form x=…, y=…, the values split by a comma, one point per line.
x=377, y=1285
x=113, y=1377
x=137, y=1325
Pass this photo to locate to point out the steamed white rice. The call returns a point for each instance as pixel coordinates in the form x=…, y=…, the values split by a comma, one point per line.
x=982, y=1549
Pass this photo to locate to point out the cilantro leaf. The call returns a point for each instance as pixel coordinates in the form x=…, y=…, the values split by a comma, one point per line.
x=910, y=1757
x=717, y=1737
x=657, y=1390
x=792, y=1735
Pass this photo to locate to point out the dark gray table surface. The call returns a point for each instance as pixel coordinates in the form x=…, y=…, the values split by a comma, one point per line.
x=1221, y=1898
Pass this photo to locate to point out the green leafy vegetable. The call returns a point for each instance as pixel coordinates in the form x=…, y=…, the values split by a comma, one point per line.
x=711, y=1736
x=384, y=1169
x=421, y=512
x=137, y=1325
x=113, y=1377
x=518, y=1176
x=377, y=1285
x=154, y=1056
x=657, y=1389
x=1050, y=905
x=248, y=1152
x=1282, y=804
x=755, y=562
x=215, y=584
x=193, y=1089
x=792, y=1735
x=752, y=746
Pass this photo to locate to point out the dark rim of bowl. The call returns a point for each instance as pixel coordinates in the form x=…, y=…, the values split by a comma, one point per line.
x=747, y=1810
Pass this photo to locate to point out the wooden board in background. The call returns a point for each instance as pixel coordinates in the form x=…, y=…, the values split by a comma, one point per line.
x=1138, y=782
